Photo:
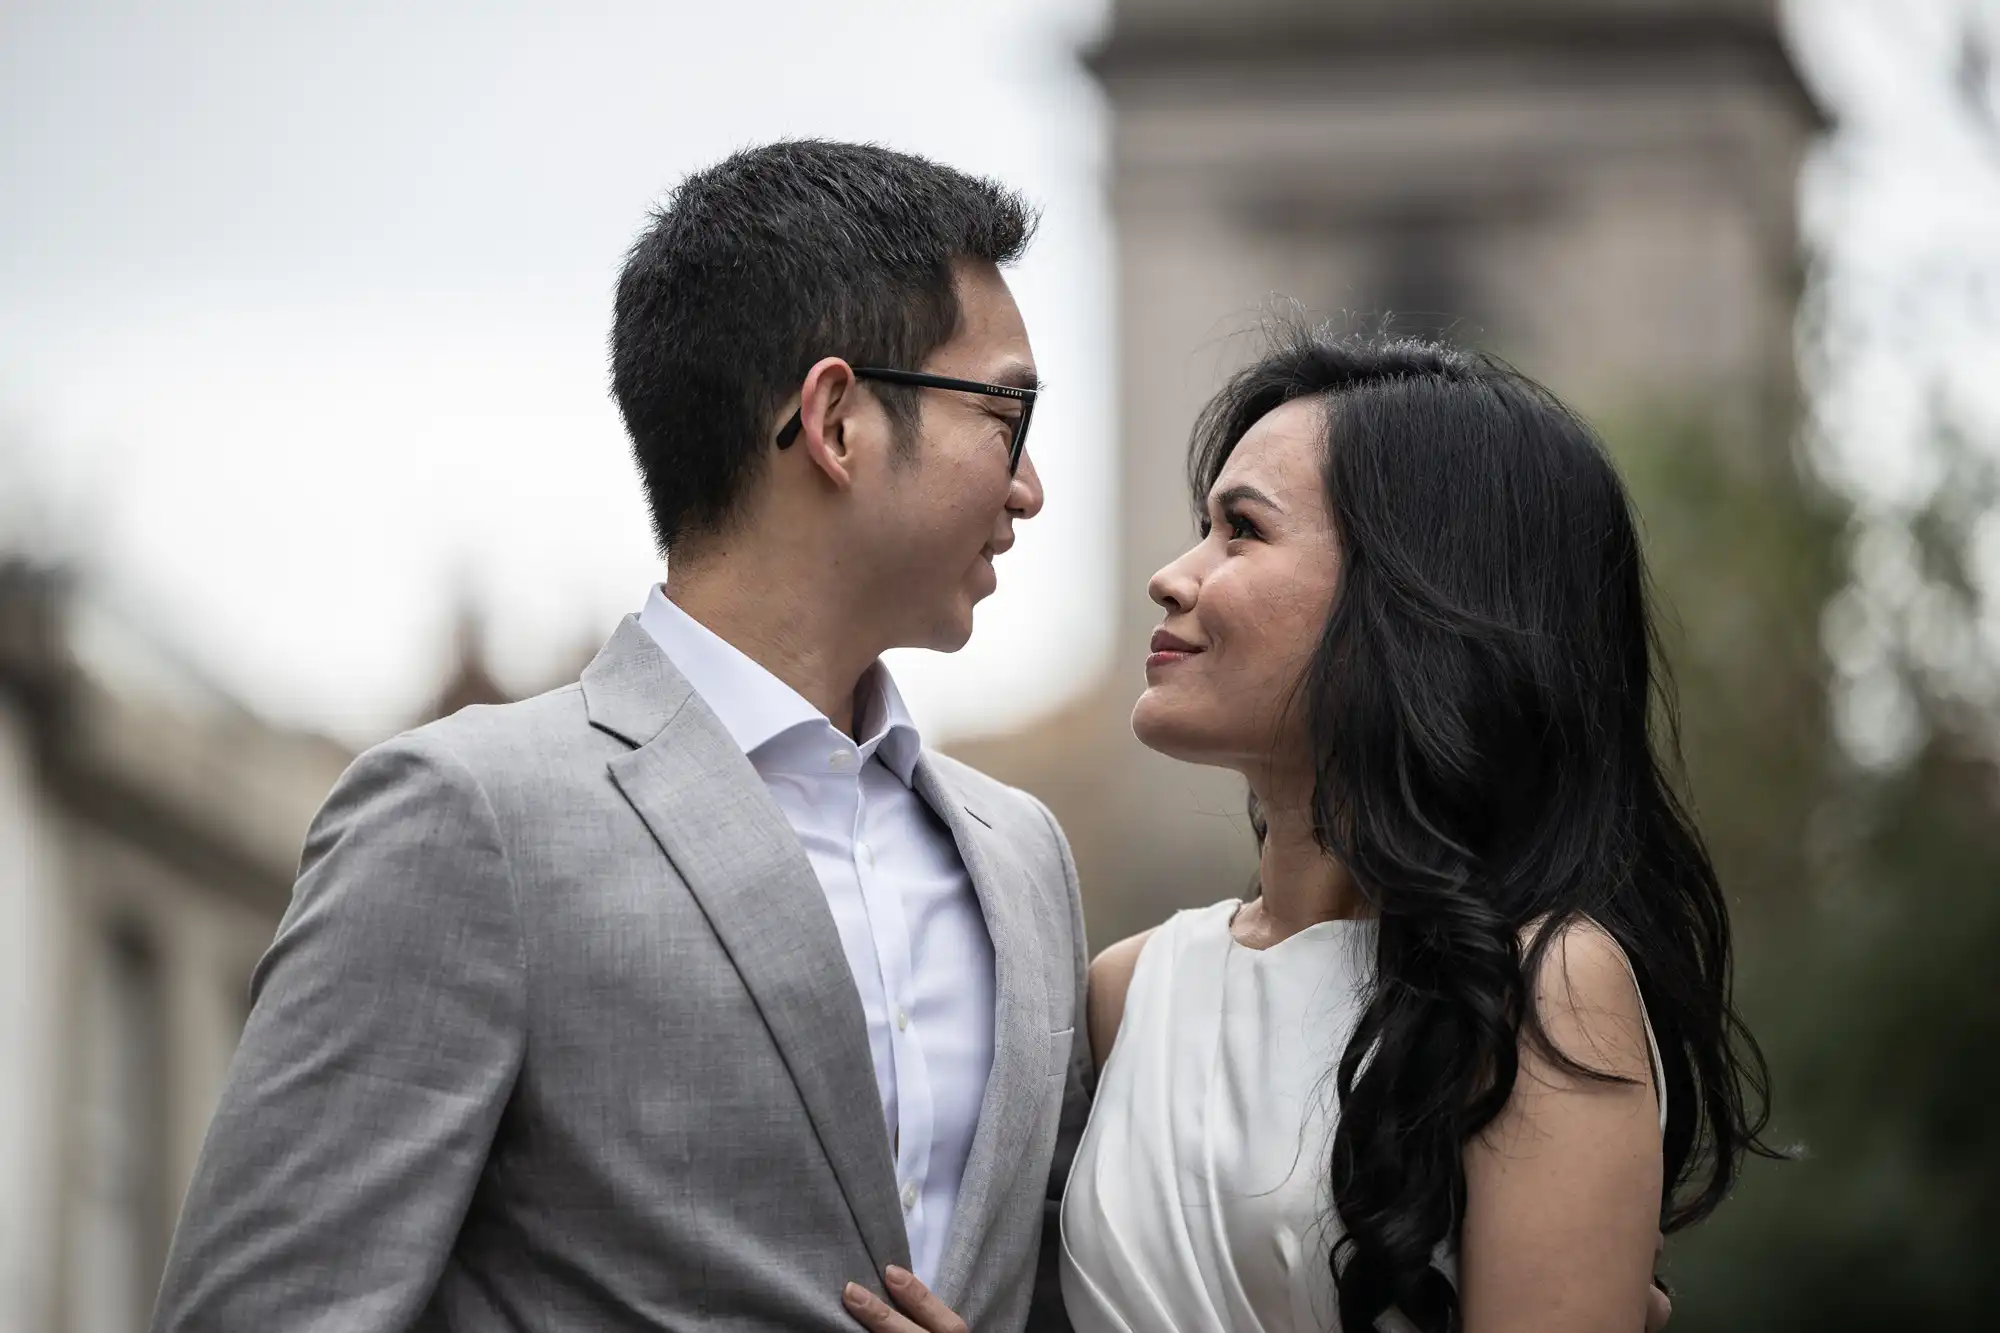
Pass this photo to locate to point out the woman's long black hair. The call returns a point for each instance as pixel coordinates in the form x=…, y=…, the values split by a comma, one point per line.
x=1492, y=730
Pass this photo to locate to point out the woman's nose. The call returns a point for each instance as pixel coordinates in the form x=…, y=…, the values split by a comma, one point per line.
x=1173, y=587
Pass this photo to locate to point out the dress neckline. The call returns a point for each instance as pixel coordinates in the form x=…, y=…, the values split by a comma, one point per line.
x=1340, y=927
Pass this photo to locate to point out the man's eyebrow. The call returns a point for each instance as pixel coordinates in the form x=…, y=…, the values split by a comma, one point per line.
x=1019, y=376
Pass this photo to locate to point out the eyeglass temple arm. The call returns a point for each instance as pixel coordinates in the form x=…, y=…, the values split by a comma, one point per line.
x=789, y=432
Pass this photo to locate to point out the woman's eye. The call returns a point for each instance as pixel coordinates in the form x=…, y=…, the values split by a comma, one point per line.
x=1238, y=528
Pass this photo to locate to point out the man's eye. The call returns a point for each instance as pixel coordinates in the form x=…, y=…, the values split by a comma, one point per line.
x=1240, y=528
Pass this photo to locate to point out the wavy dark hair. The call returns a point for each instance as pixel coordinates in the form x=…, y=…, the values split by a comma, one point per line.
x=1496, y=750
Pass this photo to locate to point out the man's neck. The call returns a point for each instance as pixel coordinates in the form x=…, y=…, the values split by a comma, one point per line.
x=783, y=627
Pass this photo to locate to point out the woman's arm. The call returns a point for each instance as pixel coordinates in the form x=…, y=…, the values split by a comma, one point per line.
x=1563, y=1188
x=1110, y=977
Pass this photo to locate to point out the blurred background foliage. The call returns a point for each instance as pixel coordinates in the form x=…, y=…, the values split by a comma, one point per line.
x=1840, y=738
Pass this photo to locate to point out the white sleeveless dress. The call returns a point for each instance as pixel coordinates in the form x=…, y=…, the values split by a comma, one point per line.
x=1198, y=1200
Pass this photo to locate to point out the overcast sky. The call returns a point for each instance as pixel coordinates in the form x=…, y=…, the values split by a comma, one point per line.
x=1902, y=211
x=302, y=306
x=303, y=309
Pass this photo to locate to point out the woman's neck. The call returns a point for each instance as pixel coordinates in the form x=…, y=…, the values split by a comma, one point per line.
x=1301, y=884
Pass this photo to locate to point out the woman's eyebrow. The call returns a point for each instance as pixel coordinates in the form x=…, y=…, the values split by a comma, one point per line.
x=1242, y=493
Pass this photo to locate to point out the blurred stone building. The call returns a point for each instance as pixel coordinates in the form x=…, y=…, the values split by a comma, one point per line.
x=149, y=833
x=1600, y=190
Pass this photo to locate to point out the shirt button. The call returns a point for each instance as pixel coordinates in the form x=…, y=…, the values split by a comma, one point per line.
x=909, y=1197
x=867, y=854
x=902, y=1020
x=840, y=759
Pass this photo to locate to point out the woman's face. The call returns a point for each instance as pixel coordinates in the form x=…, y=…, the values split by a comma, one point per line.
x=1246, y=605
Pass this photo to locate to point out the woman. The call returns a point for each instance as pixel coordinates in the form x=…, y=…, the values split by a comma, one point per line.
x=1469, y=1048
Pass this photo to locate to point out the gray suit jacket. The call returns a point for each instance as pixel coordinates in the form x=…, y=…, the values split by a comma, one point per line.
x=558, y=1034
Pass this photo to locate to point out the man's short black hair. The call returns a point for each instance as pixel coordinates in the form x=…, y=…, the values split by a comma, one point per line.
x=759, y=266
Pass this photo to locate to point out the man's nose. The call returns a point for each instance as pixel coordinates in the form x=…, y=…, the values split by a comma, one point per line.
x=1024, y=495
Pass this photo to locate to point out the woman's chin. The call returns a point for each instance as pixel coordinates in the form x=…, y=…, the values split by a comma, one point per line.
x=1160, y=726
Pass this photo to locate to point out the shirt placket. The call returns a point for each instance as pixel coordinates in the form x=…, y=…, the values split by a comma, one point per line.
x=889, y=927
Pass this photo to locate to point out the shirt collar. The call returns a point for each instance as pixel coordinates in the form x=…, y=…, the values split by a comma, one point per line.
x=755, y=707
x=880, y=715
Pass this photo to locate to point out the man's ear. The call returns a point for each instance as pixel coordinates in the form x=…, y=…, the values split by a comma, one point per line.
x=828, y=402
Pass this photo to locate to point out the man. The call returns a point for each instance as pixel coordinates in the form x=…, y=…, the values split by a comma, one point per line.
x=683, y=995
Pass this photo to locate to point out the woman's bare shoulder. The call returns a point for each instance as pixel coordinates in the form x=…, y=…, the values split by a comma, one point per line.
x=1589, y=1003
x=1110, y=978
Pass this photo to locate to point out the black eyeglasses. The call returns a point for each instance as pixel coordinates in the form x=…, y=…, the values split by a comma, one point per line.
x=917, y=379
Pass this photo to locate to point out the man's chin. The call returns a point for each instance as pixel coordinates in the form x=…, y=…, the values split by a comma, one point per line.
x=954, y=635
x=947, y=631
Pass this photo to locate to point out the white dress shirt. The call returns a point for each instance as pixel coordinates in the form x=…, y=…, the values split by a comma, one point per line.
x=909, y=921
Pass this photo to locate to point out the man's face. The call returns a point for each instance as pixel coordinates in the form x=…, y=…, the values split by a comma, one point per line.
x=938, y=518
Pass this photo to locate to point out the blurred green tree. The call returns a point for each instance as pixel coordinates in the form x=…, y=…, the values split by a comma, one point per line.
x=1838, y=654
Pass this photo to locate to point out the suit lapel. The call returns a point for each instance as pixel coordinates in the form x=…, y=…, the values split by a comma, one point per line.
x=717, y=823
x=1020, y=1022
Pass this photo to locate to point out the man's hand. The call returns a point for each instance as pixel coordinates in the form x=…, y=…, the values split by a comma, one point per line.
x=1659, y=1306
x=1659, y=1309
x=924, y=1313
x=921, y=1311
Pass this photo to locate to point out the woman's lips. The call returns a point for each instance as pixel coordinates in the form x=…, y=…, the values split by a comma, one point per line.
x=1168, y=649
